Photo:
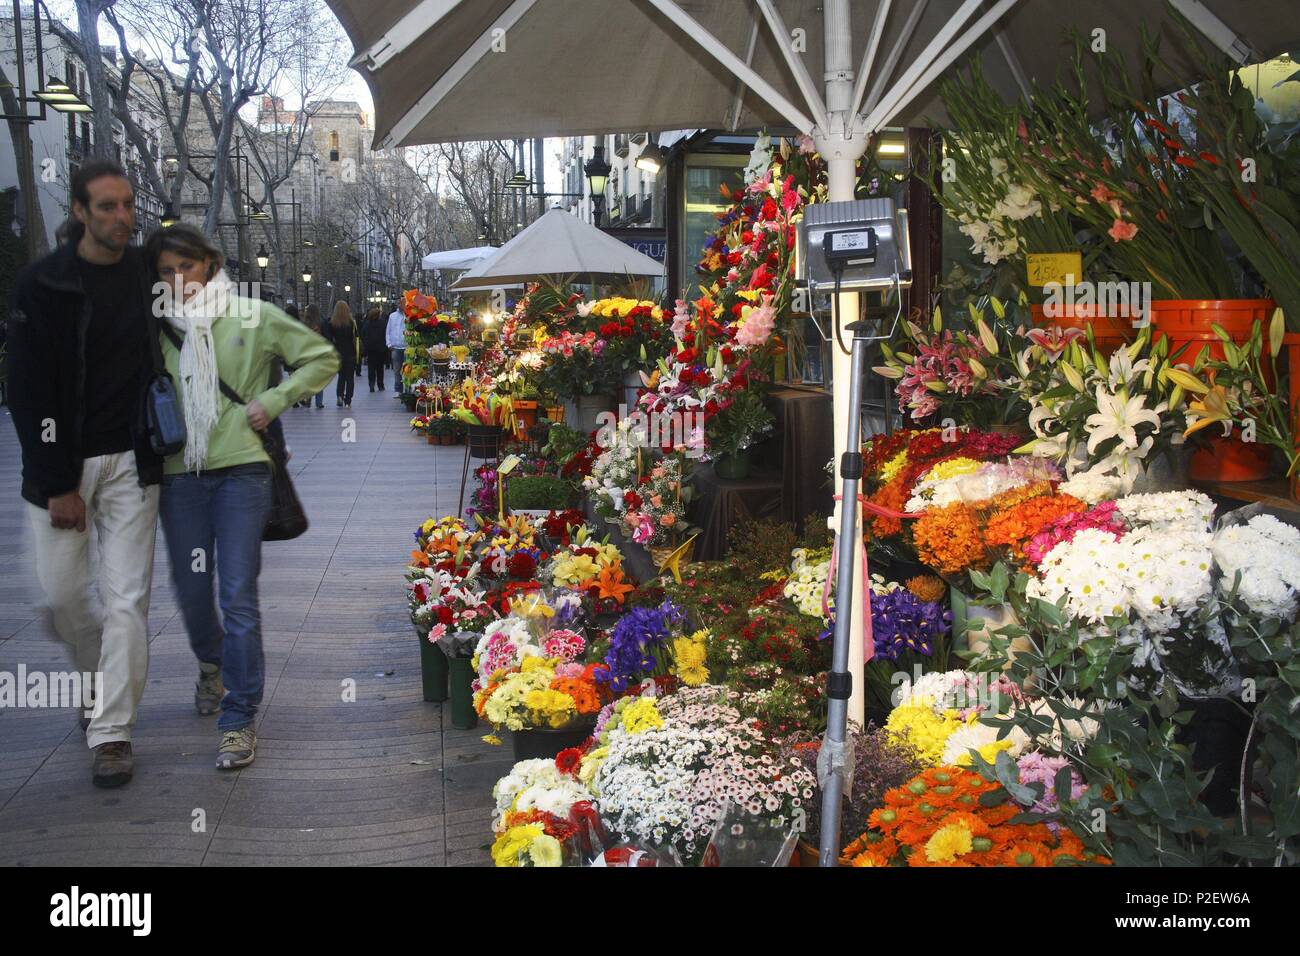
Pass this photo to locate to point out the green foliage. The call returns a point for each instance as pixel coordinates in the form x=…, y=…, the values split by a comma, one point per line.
x=1143, y=804
x=757, y=546
x=537, y=492
x=562, y=443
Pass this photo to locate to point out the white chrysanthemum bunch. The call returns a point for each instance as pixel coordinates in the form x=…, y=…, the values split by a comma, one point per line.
x=535, y=785
x=1154, y=577
x=1266, y=553
x=806, y=584
x=672, y=783
x=1167, y=509
x=1093, y=486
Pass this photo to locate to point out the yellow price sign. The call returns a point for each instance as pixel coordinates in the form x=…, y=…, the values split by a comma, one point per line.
x=508, y=464
x=1045, y=267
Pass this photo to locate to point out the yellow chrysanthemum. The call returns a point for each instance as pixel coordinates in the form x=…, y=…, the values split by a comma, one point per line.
x=952, y=468
x=948, y=842
x=689, y=654
x=916, y=724
x=510, y=846
x=641, y=715
x=988, y=753
x=892, y=467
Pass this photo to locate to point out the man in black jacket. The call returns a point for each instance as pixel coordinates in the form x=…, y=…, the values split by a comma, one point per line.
x=81, y=344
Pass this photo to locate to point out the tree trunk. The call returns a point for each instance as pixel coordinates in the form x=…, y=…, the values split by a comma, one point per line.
x=88, y=12
x=20, y=134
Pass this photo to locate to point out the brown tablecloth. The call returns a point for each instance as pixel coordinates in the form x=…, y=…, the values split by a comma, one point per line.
x=804, y=430
x=719, y=504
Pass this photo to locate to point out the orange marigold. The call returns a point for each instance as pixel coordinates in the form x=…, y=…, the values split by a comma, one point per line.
x=1014, y=527
x=927, y=587
x=948, y=539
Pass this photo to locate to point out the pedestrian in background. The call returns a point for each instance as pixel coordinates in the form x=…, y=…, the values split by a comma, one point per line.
x=343, y=333
x=395, y=339
x=374, y=344
x=311, y=318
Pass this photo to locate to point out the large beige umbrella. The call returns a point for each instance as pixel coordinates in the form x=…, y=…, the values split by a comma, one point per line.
x=560, y=244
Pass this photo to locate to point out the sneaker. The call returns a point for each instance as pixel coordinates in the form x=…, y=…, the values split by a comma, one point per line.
x=237, y=748
x=208, y=690
x=113, y=764
x=339, y=402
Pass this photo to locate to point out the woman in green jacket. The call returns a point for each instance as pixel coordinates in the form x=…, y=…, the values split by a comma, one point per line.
x=216, y=493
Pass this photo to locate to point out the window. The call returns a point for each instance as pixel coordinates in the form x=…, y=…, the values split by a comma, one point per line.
x=704, y=174
x=334, y=147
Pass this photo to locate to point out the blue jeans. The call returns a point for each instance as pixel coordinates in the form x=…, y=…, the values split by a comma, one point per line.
x=223, y=510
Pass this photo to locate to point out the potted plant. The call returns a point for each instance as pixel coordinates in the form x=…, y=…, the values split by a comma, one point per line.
x=440, y=359
x=1240, y=389
x=734, y=430
x=537, y=495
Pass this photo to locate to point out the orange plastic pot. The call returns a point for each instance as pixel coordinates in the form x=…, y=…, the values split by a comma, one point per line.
x=1110, y=331
x=1230, y=459
x=526, y=412
x=1189, y=322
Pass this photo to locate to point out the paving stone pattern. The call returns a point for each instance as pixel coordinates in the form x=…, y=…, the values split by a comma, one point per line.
x=384, y=780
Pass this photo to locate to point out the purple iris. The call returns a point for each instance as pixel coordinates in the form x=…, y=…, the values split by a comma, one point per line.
x=634, y=641
x=901, y=621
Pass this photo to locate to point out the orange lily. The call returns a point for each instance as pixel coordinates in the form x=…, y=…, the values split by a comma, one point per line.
x=1211, y=408
x=610, y=583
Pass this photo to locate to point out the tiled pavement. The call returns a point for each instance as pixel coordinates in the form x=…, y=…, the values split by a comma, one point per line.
x=382, y=780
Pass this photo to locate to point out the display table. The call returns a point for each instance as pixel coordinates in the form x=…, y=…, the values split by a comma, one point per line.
x=720, y=504
x=804, y=429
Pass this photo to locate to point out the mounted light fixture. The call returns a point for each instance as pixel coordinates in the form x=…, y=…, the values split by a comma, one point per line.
x=263, y=257
x=59, y=96
x=306, y=275
x=652, y=159
x=892, y=149
x=259, y=214
x=169, y=217
x=518, y=181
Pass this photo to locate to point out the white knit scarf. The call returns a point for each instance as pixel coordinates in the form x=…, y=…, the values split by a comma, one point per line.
x=200, y=392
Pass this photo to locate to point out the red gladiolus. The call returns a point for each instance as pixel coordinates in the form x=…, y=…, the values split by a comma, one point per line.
x=1210, y=158
x=1184, y=161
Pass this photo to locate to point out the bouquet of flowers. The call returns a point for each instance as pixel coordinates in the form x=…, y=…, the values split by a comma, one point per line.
x=954, y=373
x=951, y=816
x=655, y=509
x=576, y=364
x=1104, y=417
x=669, y=768
x=424, y=323
x=635, y=331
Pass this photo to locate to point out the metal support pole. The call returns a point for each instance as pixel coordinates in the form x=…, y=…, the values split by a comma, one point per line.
x=848, y=542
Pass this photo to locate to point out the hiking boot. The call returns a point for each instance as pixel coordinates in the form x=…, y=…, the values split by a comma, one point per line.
x=208, y=691
x=113, y=764
x=237, y=748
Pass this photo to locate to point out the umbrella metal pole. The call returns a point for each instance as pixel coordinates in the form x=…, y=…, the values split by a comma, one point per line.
x=840, y=679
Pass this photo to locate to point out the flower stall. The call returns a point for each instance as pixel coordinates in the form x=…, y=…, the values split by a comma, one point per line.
x=1082, y=597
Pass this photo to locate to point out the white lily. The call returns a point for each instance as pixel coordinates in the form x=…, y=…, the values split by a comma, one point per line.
x=1123, y=370
x=1117, y=417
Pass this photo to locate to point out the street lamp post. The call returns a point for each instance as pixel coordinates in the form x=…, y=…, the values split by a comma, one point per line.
x=597, y=169
x=263, y=260
x=306, y=286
